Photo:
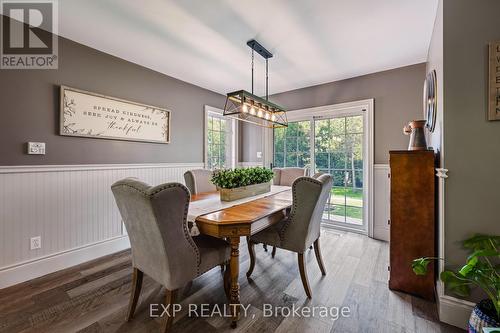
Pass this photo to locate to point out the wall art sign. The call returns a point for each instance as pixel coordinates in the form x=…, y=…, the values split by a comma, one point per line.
x=494, y=82
x=87, y=114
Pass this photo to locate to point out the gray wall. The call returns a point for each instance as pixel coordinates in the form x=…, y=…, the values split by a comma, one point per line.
x=398, y=99
x=435, y=62
x=251, y=138
x=29, y=107
x=471, y=143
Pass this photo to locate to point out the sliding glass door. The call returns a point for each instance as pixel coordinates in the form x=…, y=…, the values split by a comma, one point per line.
x=292, y=147
x=338, y=150
x=332, y=143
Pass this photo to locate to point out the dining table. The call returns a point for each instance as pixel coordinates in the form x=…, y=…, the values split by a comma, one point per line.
x=236, y=219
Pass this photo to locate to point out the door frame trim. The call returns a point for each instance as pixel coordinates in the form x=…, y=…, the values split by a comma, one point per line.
x=339, y=110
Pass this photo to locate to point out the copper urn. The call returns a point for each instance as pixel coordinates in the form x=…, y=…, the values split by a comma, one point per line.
x=416, y=130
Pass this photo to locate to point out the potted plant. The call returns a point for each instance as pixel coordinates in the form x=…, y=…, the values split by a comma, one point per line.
x=234, y=184
x=482, y=270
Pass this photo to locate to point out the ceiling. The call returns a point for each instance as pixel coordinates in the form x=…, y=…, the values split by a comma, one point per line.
x=204, y=42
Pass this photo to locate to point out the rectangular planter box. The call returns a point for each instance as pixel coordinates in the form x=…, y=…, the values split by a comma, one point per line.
x=231, y=194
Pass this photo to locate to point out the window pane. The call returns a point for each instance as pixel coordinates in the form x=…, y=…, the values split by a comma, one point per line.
x=216, y=124
x=291, y=160
x=304, y=128
x=338, y=160
x=337, y=126
x=354, y=215
x=279, y=133
x=279, y=144
x=303, y=160
x=291, y=144
x=354, y=197
x=337, y=213
x=321, y=160
x=303, y=144
x=292, y=129
x=339, y=178
x=210, y=137
x=354, y=179
x=219, y=146
x=354, y=124
x=278, y=160
x=222, y=137
x=338, y=195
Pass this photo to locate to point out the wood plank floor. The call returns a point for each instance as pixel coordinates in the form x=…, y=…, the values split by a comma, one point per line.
x=93, y=297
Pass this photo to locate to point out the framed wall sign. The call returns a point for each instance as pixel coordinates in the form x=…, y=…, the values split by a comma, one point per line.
x=87, y=114
x=494, y=81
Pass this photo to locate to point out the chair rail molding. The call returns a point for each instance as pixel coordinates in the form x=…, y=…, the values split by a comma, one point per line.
x=442, y=173
x=250, y=164
x=71, y=208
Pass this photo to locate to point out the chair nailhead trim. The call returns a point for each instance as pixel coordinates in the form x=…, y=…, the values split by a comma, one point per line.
x=294, y=205
x=186, y=208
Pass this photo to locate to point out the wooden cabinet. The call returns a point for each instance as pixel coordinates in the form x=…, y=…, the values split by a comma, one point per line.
x=413, y=201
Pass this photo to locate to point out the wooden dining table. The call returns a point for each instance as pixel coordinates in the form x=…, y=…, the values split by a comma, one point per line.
x=241, y=220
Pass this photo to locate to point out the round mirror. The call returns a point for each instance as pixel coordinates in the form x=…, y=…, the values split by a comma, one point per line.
x=430, y=100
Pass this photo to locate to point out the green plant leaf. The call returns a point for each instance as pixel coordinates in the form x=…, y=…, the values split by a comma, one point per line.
x=419, y=266
x=466, y=269
x=482, y=242
x=239, y=177
x=459, y=286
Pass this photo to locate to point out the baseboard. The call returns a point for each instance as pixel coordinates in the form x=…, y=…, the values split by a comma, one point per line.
x=454, y=311
x=41, y=266
x=381, y=233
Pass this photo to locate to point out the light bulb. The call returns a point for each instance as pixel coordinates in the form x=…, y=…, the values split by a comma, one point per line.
x=244, y=108
x=252, y=110
x=259, y=114
x=273, y=117
x=267, y=116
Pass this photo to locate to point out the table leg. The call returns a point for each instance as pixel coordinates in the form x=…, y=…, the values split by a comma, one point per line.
x=235, y=286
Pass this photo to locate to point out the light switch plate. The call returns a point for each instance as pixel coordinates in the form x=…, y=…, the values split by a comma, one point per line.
x=36, y=148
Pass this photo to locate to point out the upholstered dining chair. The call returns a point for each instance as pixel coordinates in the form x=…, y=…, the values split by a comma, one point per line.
x=162, y=248
x=198, y=181
x=286, y=177
x=301, y=228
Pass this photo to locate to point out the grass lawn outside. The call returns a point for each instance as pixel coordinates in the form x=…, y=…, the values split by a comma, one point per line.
x=348, y=202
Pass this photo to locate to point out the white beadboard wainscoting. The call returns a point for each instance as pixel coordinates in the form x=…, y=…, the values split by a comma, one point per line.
x=73, y=210
x=250, y=164
x=381, y=201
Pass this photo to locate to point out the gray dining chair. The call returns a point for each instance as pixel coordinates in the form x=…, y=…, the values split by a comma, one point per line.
x=199, y=180
x=301, y=228
x=286, y=177
x=162, y=248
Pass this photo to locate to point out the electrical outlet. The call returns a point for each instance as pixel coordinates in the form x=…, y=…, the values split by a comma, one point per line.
x=259, y=154
x=35, y=242
x=36, y=148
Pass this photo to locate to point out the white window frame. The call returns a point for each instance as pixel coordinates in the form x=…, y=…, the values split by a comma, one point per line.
x=339, y=110
x=234, y=135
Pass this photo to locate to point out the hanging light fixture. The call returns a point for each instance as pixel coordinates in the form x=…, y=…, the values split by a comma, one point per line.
x=245, y=106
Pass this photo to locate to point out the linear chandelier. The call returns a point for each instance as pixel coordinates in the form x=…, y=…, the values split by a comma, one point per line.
x=245, y=106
